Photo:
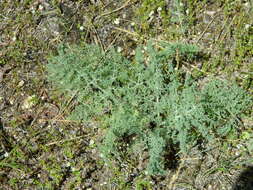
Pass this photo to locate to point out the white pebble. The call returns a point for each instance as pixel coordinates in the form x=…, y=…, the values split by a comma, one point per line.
x=119, y=49
x=92, y=142
x=6, y=154
x=41, y=7
x=247, y=26
x=117, y=21
x=21, y=83
x=81, y=28
x=151, y=13
x=159, y=9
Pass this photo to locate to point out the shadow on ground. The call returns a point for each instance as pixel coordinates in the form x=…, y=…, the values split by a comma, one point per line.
x=245, y=180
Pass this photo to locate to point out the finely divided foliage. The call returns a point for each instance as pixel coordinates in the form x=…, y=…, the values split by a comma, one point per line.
x=146, y=101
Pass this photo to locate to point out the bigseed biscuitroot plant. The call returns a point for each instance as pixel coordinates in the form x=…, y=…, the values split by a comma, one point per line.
x=147, y=101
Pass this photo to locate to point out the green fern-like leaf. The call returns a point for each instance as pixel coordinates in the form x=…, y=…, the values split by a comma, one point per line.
x=148, y=103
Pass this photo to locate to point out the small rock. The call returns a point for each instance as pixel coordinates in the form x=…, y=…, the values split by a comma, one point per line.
x=73, y=169
x=14, y=38
x=92, y=142
x=81, y=28
x=29, y=102
x=151, y=13
x=41, y=7
x=247, y=26
x=119, y=49
x=159, y=9
x=68, y=164
x=210, y=13
x=117, y=21
x=11, y=101
x=6, y=154
x=21, y=83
